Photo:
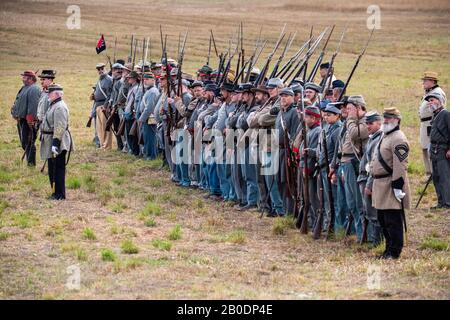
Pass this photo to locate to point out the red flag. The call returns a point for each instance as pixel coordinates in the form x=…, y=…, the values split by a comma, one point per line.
x=101, y=45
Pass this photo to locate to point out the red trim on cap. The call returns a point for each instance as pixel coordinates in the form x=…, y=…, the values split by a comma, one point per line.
x=312, y=113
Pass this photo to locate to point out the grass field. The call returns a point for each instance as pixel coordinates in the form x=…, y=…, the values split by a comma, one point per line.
x=136, y=236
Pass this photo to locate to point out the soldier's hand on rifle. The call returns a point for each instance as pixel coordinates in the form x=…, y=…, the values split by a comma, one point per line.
x=170, y=100
x=367, y=191
x=306, y=151
x=91, y=97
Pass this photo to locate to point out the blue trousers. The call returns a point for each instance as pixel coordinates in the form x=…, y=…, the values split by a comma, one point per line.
x=250, y=178
x=150, y=148
x=276, y=201
x=340, y=201
x=353, y=196
x=326, y=199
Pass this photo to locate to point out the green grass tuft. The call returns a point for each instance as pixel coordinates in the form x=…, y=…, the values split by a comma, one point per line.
x=73, y=183
x=129, y=247
x=282, y=224
x=150, y=222
x=164, y=245
x=151, y=209
x=3, y=236
x=81, y=255
x=24, y=219
x=108, y=255
x=89, y=234
x=175, y=233
x=435, y=244
x=237, y=237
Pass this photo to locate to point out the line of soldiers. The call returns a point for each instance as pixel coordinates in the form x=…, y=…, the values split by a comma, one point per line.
x=273, y=148
x=43, y=112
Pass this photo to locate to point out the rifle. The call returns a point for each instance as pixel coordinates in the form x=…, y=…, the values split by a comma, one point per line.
x=264, y=70
x=242, y=50
x=209, y=51
x=131, y=49
x=424, y=190
x=168, y=88
x=285, y=69
x=354, y=66
x=290, y=163
x=330, y=229
x=115, y=47
x=89, y=122
x=214, y=42
x=286, y=49
x=302, y=63
x=306, y=64
x=29, y=144
x=162, y=42
x=320, y=58
x=317, y=228
x=330, y=69
x=180, y=65
x=302, y=218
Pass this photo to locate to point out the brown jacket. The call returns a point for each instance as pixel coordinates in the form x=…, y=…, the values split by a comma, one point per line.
x=394, y=150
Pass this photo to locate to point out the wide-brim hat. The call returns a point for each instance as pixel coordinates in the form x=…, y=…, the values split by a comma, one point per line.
x=260, y=88
x=430, y=75
x=47, y=74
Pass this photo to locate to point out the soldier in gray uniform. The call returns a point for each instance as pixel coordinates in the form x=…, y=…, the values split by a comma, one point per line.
x=191, y=113
x=440, y=148
x=350, y=151
x=24, y=110
x=390, y=191
x=56, y=141
x=430, y=85
x=261, y=98
x=101, y=95
x=181, y=136
x=117, y=71
x=47, y=77
x=248, y=160
x=210, y=180
x=312, y=122
x=130, y=112
x=331, y=116
x=238, y=181
x=365, y=181
x=312, y=91
x=147, y=119
x=286, y=124
x=224, y=166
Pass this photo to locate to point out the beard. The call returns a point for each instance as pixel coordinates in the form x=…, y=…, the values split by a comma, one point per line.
x=387, y=127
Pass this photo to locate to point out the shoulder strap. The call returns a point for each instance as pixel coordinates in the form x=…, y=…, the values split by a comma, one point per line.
x=382, y=162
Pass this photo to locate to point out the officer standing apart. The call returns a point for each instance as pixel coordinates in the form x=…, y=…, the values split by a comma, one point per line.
x=440, y=148
x=430, y=85
x=56, y=141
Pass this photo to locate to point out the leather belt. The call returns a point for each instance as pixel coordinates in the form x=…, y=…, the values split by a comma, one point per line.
x=381, y=176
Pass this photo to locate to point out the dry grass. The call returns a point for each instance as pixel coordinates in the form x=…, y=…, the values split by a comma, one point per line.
x=130, y=207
